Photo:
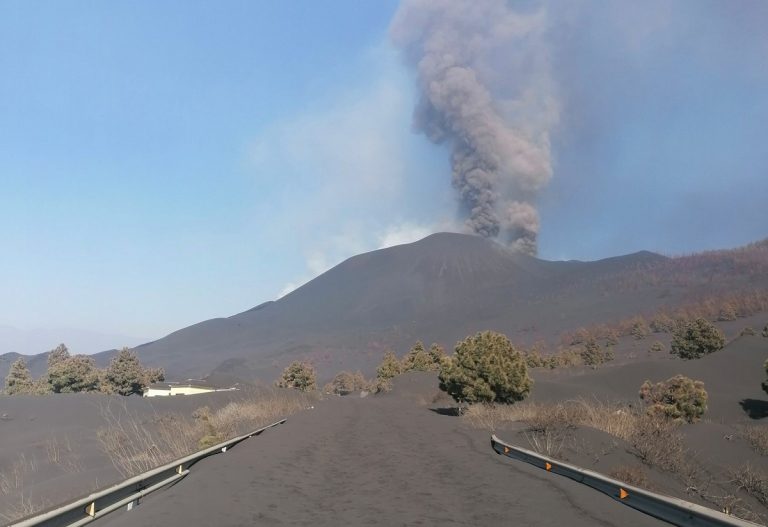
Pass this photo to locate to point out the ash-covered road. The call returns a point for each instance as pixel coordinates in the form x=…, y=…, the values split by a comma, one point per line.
x=374, y=461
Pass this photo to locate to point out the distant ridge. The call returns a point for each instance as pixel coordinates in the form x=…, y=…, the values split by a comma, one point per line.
x=441, y=289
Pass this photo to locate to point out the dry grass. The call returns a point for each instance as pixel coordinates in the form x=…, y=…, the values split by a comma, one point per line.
x=615, y=420
x=757, y=437
x=135, y=446
x=16, y=499
x=60, y=454
x=654, y=440
x=632, y=475
x=753, y=482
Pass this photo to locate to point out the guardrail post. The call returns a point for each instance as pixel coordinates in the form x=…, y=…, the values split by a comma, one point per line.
x=131, y=505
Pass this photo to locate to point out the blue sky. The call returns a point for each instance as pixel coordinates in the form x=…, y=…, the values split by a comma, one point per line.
x=162, y=163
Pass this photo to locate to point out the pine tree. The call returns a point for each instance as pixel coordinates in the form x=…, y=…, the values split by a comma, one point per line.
x=73, y=374
x=125, y=375
x=298, y=375
x=57, y=355
x=19, y=380
x=389, y=368
x=695, y=339
x=436, y=355
x=486, y=368
x=417, y=359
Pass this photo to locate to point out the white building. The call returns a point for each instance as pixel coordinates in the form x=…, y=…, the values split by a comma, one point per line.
x=191, y=387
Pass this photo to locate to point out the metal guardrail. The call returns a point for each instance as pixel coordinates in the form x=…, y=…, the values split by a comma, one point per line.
x=666, y=508
x=128, y=492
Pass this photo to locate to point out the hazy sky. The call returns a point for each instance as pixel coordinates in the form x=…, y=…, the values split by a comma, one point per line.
x=162, y=163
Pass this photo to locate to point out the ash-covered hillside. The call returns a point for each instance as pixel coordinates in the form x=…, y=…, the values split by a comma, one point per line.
x=441, y=289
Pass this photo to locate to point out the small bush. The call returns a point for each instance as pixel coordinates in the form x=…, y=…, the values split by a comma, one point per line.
x=662, y=323
x=126, y=375
x=757, y=437
x=580, y=337
x=695, y=339
x=19, y=380
x=486, y=368
x=77, y=373
x=593, y=355
x=417, y=359
x=656, y=347
x=437, y=355
x=676, y=398
x=533, y=359
x=211, y=436
x=298, y=375
x=753, y=482
x=639, y=329
x=346, y=382
x=378, y=385
x=765, y=331
x=564, y=358
x=390, y=367
x=748, y=332
x=727, y=312
x=657, y=443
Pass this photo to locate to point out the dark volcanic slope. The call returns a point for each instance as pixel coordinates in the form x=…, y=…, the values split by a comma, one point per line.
x=439, y=289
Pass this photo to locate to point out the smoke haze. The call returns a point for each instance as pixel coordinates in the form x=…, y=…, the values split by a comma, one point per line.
x=485, y=90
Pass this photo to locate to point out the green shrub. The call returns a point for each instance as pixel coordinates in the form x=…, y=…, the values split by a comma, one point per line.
x=593, y=355
x=639, y=329
x=390, y=367
x=656, y=347
x=346, y=382
x=298, y=375
x=486, y=368
x=580, y=336
x=533, y=359
x=697, y=338
x=676, y=398
x=19, y=380
x=378, y=385
x=564, y=358
x=211, y=436
x=437, y=355
x=417, y=359
x=125, y=375
x=77, y=373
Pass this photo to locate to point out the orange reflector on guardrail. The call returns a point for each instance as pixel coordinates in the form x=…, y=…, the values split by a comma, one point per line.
x=548, y=466
x=623, y=493
x=506, y=450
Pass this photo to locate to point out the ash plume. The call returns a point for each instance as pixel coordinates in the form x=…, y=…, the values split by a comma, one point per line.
x=486, y=92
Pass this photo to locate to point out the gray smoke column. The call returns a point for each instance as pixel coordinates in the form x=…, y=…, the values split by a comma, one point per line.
x=486, y=91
